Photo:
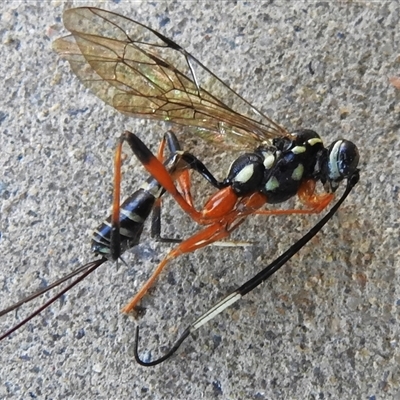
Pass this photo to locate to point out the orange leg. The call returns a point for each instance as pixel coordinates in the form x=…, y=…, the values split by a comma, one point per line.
x=184, y=186
x=161, y=149
x=183, y=179
x=115, y=248
x=158, y=171
x=222, y=202
x=179, y=176
x=201, y=239
x=117, y=176
x=315, y=202
x=219, y=229
x=182, y=176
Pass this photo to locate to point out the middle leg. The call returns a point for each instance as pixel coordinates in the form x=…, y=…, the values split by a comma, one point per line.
x=209, y=235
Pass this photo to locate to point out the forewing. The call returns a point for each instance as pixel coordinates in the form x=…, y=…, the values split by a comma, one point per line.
x=142, y=73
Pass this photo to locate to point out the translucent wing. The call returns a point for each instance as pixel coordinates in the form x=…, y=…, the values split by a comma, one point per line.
x=144, y=74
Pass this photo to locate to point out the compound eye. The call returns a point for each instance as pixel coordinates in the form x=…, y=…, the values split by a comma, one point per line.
x=343, y=159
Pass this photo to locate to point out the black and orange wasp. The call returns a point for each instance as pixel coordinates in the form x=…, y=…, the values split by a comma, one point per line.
x=143, y=74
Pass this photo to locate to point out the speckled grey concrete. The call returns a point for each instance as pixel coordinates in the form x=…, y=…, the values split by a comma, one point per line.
x=325, y=327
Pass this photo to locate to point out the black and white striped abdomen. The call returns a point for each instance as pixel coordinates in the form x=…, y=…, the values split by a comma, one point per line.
x=133, y=214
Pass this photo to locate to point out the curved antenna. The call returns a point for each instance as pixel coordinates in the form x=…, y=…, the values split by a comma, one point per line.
x=173, y=349
x=253, y=282
x=87, y=269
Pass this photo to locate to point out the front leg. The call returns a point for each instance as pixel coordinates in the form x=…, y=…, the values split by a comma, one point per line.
x=314, y=202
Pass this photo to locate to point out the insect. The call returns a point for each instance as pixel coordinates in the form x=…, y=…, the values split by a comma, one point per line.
x=143, y=74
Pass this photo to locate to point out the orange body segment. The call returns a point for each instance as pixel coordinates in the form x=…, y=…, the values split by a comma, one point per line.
x=220, y=204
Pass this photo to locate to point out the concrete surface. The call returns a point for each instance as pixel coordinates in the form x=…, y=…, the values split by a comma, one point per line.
x=325, y=327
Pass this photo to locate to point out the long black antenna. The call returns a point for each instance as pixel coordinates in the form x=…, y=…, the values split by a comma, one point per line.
x=87, y=269
x=29, y=298
x=253, y=282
